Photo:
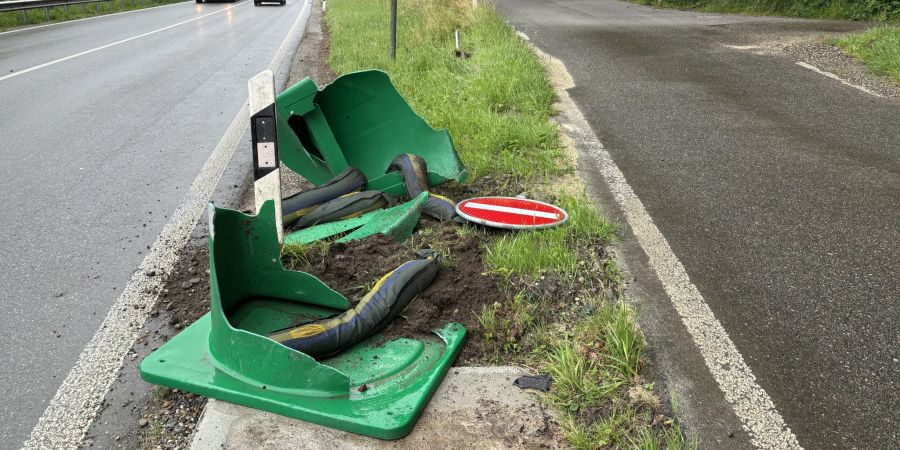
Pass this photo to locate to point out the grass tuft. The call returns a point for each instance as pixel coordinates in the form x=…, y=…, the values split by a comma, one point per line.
x=555, y=249
x=624, y=343
x=296, y=257
x=878, y=48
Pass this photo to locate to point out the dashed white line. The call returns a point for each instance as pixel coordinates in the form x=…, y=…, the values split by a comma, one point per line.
x=71, y=411
x=843, y=81
x=742, y=47
x=750, y=402
x=113, y=44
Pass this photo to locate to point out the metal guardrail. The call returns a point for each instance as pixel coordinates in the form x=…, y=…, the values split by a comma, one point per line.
x=46, y=5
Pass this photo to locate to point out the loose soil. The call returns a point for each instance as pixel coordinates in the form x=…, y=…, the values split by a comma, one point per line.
x=185, y=297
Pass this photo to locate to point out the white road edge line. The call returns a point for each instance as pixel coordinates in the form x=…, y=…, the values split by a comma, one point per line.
x=76, y=403
x=113, y=44
x=843, y=81
x=18, y=30
x=750, y=402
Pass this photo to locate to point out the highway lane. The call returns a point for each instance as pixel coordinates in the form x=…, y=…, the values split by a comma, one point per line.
x=776, y=187
x=96, y=152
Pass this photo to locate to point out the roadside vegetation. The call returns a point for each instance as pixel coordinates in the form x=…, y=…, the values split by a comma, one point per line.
x=562, y=310
x=13, y=19
x=878, y=48
x=882, y=10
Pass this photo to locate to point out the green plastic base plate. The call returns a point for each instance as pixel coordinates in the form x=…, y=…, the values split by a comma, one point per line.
x=391, y=381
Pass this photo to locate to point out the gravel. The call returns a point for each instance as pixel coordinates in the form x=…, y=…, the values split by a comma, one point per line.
x=831, y=58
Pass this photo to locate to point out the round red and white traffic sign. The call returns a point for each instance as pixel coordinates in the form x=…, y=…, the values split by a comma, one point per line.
x=511, y=212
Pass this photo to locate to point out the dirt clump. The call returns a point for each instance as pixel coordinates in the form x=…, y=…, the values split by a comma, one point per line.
x=351, y=269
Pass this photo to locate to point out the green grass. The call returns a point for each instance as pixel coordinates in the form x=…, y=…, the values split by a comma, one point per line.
x=304, y=255
x=488, y=320
x=878, y=48
x=884, y=10
x=14, y=19
x=497, y=105
x=596, y=375
x=555, y=249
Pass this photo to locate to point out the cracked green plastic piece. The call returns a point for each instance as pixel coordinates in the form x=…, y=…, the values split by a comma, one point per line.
x=378, y=387
x=396, y=222
x=326, y=230
x=359, y=120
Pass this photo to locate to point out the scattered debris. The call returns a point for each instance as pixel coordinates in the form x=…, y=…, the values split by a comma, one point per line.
x=539, y=382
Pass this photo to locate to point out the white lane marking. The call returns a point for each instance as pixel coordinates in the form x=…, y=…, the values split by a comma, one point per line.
x=742, y=47
x=750, y=402
x=511, y=210
x=17, y=30
x=113, y=44
x=843, y=81
x=71, y=411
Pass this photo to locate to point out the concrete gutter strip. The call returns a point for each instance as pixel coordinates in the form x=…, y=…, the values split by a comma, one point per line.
x=475, y=407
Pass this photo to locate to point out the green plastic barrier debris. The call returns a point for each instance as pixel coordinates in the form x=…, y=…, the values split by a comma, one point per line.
x=413, y=168
x=326, y=230
x=378, y=387
x=347, y=182
x=344, y=207
x=397, y=223
x=361, y=121
x=378, y=308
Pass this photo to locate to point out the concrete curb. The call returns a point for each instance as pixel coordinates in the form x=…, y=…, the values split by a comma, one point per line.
x=475, y=407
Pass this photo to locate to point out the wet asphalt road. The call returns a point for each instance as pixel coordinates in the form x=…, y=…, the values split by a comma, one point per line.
x=778, y=188
x=96, y=152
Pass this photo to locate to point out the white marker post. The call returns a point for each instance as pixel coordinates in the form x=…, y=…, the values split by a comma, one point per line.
x=266, y=174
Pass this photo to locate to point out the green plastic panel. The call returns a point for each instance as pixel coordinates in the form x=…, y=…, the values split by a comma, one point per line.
x=359, y=119
x=378, y=387
x=326, y=230
x=397, y=223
